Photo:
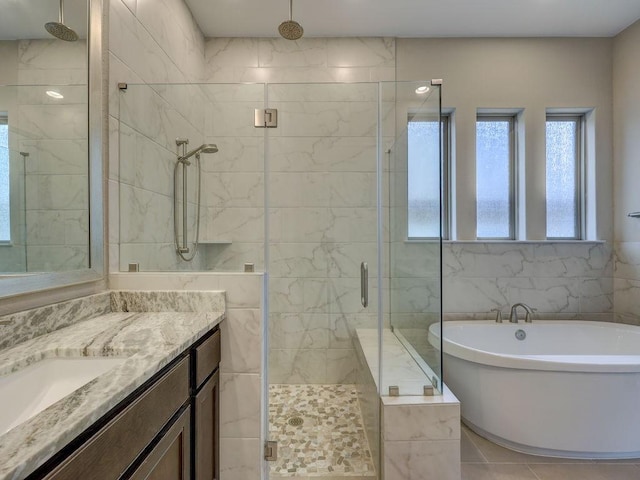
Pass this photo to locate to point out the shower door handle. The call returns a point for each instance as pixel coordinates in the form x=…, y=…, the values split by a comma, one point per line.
x=364, y=284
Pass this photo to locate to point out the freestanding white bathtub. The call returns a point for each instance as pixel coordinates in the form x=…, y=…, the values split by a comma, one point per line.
x=569, y=389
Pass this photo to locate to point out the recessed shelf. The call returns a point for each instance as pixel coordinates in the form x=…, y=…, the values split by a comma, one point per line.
x=215, y=242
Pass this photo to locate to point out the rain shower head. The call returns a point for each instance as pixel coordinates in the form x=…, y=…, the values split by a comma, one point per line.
x=59, y=29
x=290, y=29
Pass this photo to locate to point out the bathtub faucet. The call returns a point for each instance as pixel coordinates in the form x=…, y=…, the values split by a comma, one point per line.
x=513, y=317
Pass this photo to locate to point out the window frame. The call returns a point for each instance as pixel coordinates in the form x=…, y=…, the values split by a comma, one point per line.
x=512, y=119
x=445, y=178
x=579, y=197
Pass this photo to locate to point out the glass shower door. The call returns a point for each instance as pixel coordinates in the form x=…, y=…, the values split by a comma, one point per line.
x=414, y=144
x=322, y=182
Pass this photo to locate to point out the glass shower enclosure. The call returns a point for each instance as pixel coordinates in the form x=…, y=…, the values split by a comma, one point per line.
x=319, y=202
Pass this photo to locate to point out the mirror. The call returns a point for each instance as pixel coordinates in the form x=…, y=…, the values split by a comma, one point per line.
x=51, y=132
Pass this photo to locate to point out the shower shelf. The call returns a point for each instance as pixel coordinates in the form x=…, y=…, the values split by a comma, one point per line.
x=215, y=242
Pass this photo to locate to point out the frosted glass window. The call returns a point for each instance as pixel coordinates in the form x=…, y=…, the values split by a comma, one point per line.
x=494, y=177
x=424, y=178
x=563, y=177
x=5, y=216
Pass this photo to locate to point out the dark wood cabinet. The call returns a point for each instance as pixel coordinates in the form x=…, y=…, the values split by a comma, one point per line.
x=166, y=430
x=114, y=448
x=206, y=430
x=170, y=459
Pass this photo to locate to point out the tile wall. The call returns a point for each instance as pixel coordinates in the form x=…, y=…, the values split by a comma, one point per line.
x=321, y=162
x=150, y=43
x=49, y=189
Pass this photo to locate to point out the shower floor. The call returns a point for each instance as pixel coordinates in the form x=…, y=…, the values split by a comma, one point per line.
x=319, y=431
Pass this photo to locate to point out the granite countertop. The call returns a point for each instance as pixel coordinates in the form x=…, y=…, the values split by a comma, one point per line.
x=149, y=341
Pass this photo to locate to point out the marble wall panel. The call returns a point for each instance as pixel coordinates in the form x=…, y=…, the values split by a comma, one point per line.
x=306, y=60
x=57, y=192
x=323, y=154
x=232, y=257
x=56, y=157
x=177, y=32
x=54, y=258
x=131, y=42
x=144, y=110
x=156, y=43
x=564, y=279
x=627, y=260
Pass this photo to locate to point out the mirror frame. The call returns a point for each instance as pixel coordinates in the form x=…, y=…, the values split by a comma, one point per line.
x=18, y=284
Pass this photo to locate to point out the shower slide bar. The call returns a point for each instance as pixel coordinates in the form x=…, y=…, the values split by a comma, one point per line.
x=183, y=161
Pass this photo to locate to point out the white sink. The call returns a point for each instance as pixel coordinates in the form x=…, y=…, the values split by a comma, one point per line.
x=29, y=391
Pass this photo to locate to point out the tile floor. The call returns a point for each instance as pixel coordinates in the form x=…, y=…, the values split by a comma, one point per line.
x=484, y=460
x=330, y=443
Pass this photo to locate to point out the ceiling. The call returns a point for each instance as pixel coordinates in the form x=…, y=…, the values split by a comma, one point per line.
x=22, y=19
x=25, y=19
x=418, y=18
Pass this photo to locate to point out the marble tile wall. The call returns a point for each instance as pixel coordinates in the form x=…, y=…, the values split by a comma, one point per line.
x=321, y=162
x=50, y=185
x=627, y=282
x=151, y=44
x=558, y=279
x=233, y=219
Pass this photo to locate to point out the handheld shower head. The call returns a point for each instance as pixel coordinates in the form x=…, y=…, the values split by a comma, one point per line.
x=59, y=29
x=209, y=148
x=290, y=29
x=205, y=148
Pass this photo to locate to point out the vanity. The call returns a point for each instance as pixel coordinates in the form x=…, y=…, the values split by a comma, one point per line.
x=153, y=414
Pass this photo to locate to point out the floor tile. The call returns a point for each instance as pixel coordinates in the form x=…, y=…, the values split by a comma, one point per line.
x=469, y=453
x=483, y=471
x=591, y=471
x=497, y=454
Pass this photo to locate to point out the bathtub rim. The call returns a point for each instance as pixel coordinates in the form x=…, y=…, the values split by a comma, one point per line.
x=559, y=363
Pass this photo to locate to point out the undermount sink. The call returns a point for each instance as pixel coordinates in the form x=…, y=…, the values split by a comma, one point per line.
x=30, y=390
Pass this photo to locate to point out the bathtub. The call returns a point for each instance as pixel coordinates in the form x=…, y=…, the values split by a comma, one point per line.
x=568, y=389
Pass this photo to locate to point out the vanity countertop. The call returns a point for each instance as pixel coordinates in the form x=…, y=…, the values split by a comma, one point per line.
x=149, y=340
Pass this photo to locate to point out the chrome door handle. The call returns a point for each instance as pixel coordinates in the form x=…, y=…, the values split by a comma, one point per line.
x=364, y=284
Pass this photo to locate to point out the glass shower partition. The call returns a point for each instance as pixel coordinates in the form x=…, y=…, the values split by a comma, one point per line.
x=152, y=118
x=323, y=211
x=321, y=203
x=412, y=139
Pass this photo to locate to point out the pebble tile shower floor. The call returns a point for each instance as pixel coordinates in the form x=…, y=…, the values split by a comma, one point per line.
x=319, y=431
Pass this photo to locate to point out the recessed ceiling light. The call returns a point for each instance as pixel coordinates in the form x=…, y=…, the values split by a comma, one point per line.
x=422, y=89
x=54, y=94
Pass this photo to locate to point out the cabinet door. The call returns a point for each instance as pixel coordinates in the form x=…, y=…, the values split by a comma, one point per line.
x=170, y=458
x=109, y=453
x=206, y=426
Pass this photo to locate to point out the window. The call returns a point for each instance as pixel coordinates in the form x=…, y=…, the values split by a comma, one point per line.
x=564, y=178
x=495, y=174
x=5, y=212
x=424, y=188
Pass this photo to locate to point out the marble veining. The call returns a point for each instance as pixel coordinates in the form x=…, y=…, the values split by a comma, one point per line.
x=149, y=341
x=166, y=301
x=23, y=326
